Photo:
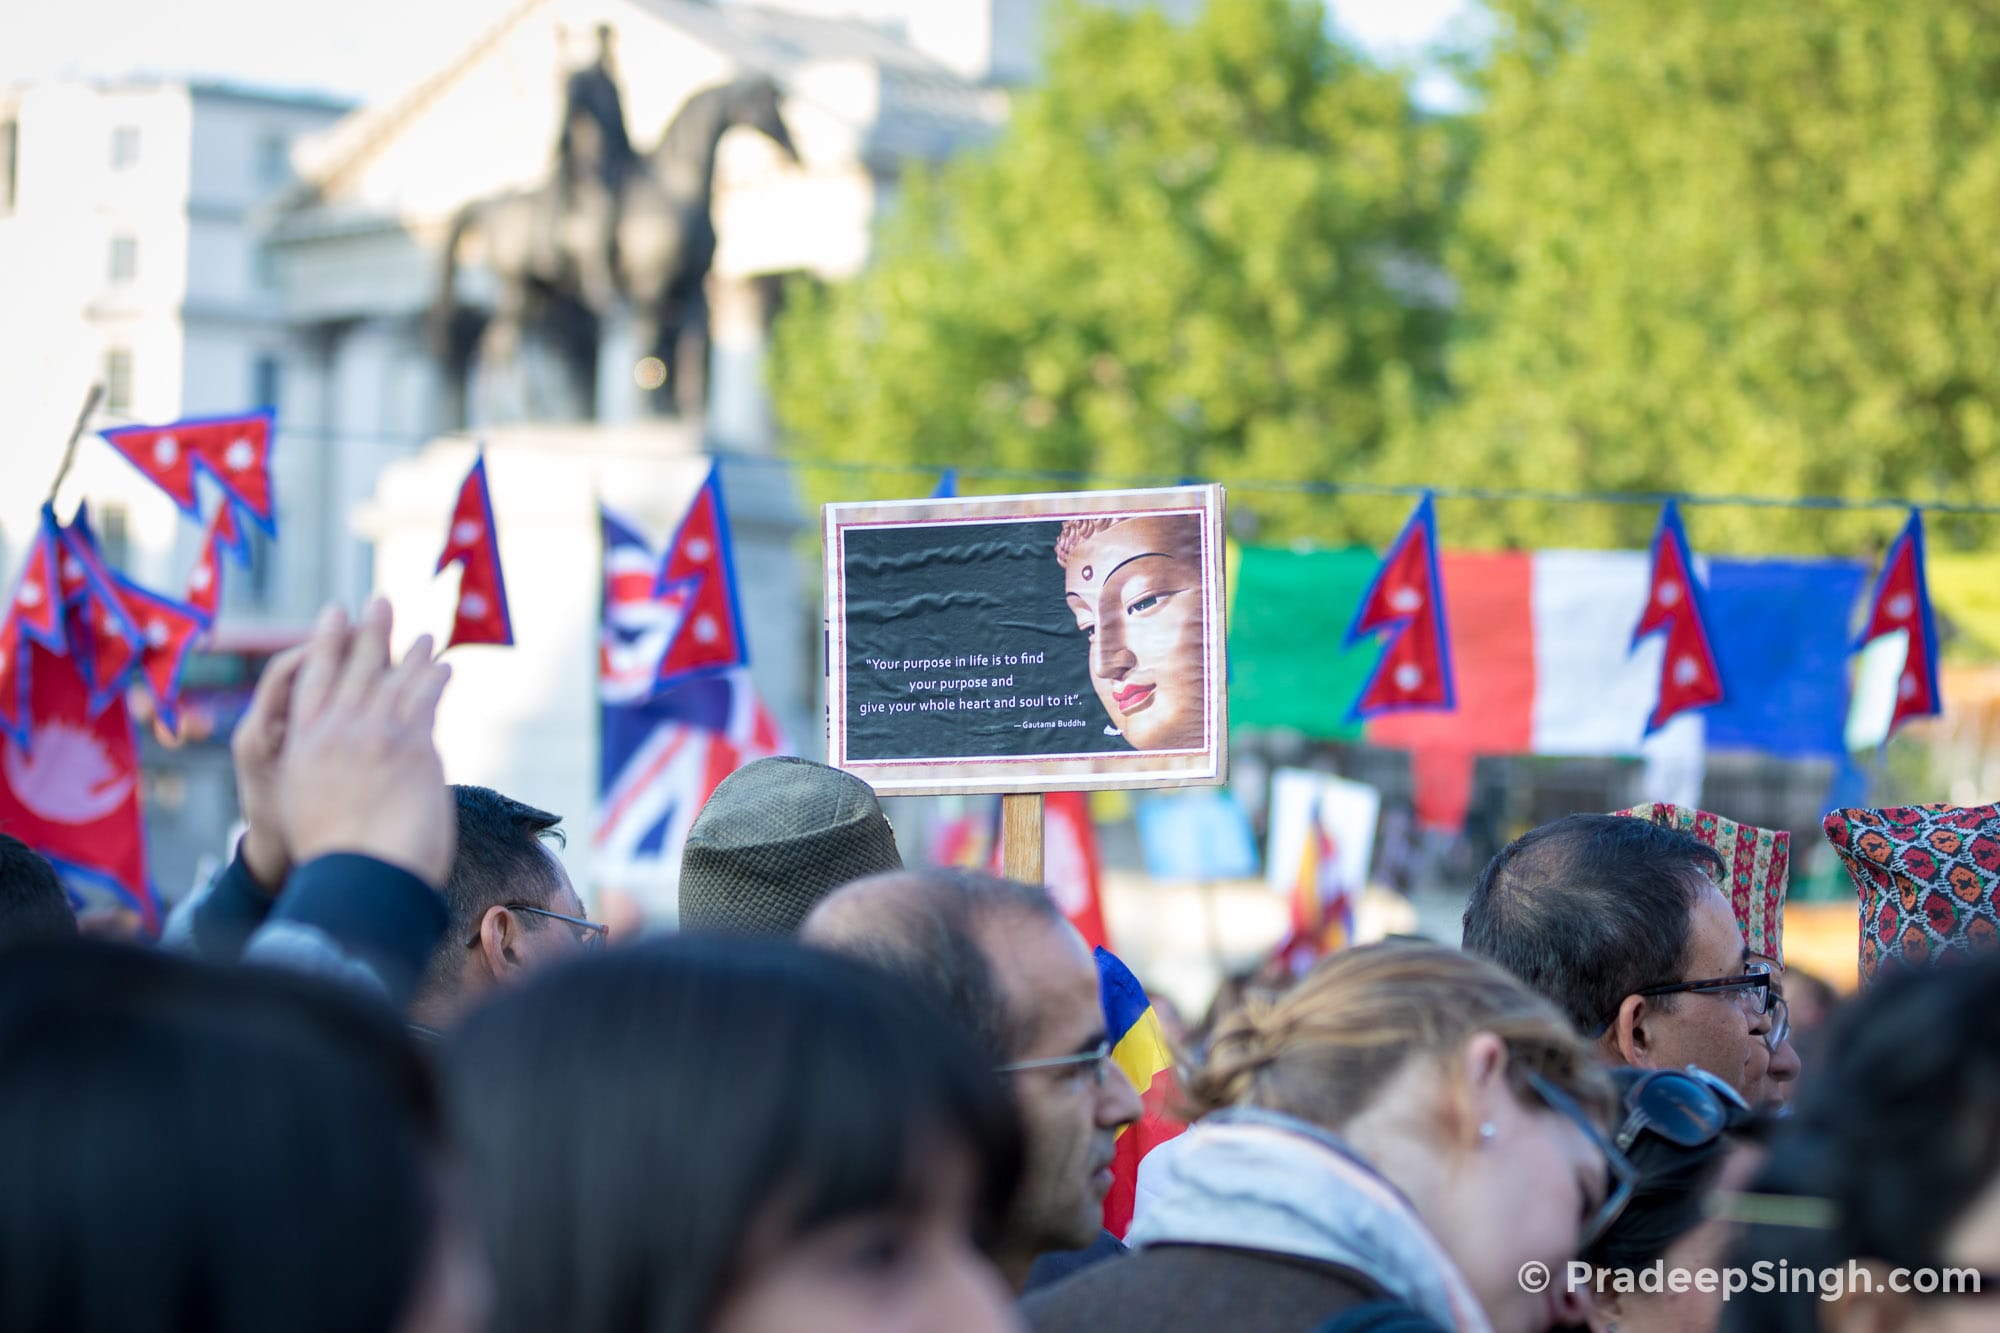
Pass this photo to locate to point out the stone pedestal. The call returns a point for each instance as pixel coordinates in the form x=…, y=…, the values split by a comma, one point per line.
x=524, y=720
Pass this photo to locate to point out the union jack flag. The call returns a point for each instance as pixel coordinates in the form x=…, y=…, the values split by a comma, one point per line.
x=663, y=751
x=641, y=620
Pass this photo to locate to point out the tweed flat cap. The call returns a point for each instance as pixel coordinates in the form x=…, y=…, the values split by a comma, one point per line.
x=776, y=836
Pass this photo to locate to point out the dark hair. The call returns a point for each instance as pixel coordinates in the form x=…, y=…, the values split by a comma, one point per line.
x=628, y=1118
x=1589, y=909
x=1672, y=1193
x=190, y=1148
x=500, y=860
x=1895, y=1138
x=928, y=937
x=33, y=906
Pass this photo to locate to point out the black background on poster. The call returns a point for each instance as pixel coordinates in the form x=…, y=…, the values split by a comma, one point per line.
x=945, y=591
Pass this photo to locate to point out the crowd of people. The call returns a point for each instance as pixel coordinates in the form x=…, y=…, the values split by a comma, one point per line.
x=382, y=1074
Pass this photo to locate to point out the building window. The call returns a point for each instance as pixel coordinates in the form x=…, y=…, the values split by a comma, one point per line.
x=124, y=258
x=264, y=372
x=118, y=380
x=113, y=534
x=274, y=160
x=10, y=153
x=124, y=146
x=258, y=575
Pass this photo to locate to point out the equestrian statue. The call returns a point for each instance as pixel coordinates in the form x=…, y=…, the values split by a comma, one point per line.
x=610, y=229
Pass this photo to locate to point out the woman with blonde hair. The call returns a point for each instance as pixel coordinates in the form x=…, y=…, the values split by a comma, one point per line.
x=1409, y=1135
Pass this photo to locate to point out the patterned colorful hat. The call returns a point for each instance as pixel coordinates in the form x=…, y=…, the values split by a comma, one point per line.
x=1927, y=875
x=1759, y=862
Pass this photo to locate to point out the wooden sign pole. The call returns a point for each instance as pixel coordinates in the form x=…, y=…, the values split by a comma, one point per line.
x=1021, y=836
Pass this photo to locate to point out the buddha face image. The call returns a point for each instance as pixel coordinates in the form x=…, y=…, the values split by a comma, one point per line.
x=1135, y=588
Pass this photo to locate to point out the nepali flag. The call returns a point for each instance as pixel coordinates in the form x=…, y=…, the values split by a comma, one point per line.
x=104, y=638
x=37, y=604
x=167, y=631
x=1406, y=602
x=700, y=554
x=234, y=450
x=640, y=618
x=1690, y=675
x=1139, y=1048
x=71, y=789
x=474, y=545
x=1902, y=603
x=13, y=680
x=204, y=587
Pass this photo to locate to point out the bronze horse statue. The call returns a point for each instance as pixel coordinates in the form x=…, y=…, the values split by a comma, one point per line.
x=609, y=226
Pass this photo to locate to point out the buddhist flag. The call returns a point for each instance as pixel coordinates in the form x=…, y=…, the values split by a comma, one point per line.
x=1139, y=1048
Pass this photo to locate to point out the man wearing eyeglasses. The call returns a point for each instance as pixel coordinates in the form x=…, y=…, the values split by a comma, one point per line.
x=1002, y=960
x=512, y=905
x=1623, y=924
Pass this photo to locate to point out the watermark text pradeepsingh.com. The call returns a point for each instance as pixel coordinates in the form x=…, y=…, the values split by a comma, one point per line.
x=1762, y=1278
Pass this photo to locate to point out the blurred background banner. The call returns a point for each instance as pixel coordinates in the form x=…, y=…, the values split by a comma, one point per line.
x=1306, y=807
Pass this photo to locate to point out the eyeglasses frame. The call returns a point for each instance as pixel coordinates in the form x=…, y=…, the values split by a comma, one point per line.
x=595, y=931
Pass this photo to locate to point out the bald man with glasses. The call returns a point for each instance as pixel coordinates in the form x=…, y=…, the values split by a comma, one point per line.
x=1000, y=958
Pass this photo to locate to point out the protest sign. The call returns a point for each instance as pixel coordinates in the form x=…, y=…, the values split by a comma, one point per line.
x=1027, y=643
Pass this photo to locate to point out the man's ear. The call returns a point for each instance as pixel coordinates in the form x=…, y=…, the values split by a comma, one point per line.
x=1605, y=1311
x=500, y=942
x=1630, y=1038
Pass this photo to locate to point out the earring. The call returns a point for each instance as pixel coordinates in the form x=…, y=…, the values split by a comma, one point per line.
x=1488, y=1132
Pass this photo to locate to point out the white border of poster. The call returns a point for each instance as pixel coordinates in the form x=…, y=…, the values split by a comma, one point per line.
x=1205, y=765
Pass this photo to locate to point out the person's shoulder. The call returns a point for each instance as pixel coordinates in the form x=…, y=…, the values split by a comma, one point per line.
x=1057, y=1265
x=1381, y=1317
x=1167, y=1287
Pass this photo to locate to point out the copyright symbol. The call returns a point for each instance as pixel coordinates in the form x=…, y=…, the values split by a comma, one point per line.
x=1534, y=1276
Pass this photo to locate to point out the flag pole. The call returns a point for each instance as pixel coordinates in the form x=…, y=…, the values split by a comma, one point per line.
x=1021, y=836
x=90, y=401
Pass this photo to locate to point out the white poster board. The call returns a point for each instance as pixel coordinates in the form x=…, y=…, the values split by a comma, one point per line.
x=1347, y=812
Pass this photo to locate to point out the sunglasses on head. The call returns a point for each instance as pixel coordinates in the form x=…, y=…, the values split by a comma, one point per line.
x=1687, y=1107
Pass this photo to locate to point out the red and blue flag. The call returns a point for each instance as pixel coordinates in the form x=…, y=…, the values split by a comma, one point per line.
x=1902, y=603
x=473, y=544
x=1406, y=603
x=71, y=790
x=1676, y=607
x=665, y=742
x=711, y=638
x=234, y=450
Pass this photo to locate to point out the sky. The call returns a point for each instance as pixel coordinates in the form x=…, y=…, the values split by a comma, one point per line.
x=371, y=50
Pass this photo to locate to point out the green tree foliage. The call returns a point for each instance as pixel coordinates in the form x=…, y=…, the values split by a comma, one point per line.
x=1731, y=247
x=1207, y=250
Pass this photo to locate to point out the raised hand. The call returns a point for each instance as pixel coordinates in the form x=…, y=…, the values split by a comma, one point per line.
x=359, y=771
x=256, y=747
